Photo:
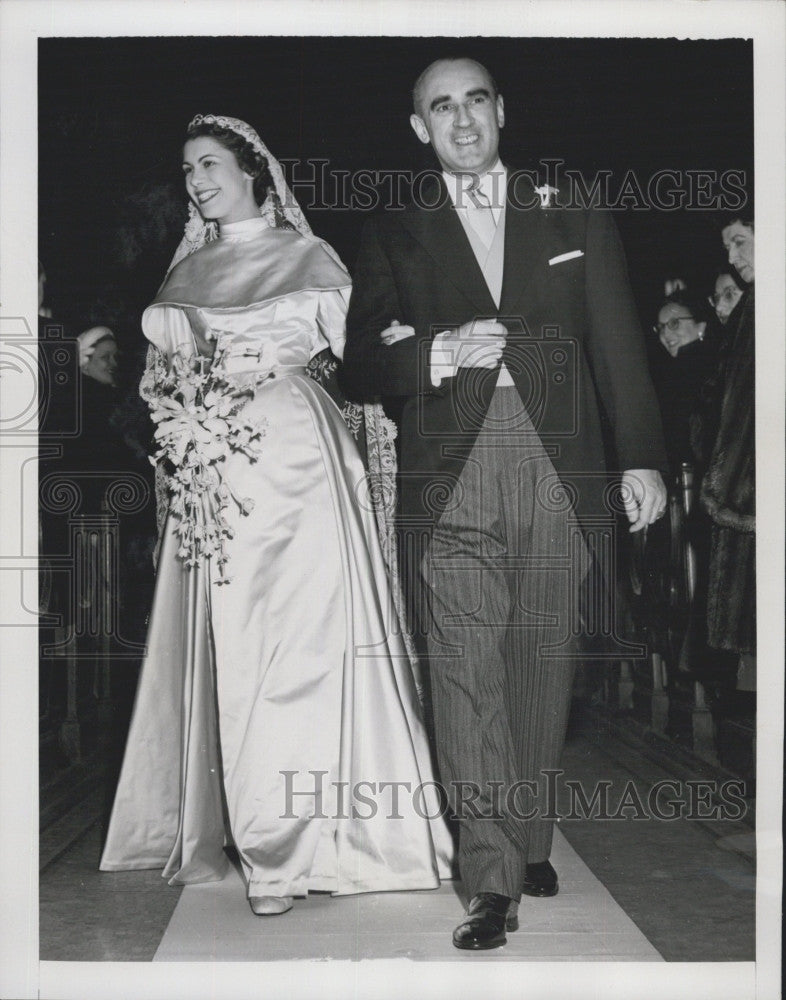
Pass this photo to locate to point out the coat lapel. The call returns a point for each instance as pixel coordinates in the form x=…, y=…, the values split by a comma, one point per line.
x=440, y=233
x=524, y=246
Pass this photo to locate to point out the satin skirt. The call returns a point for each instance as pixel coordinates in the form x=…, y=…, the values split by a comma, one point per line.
x=278, y=711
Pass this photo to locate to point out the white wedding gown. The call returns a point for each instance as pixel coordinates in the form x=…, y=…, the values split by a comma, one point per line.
x=290, y=678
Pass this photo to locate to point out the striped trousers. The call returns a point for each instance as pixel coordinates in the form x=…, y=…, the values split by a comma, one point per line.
x=501, y=578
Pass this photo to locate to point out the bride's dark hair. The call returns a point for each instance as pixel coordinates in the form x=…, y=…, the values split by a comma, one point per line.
x=250, y=162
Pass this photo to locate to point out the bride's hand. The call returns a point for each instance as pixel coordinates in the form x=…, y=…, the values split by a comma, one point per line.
x=204, y=337
x=396, y=332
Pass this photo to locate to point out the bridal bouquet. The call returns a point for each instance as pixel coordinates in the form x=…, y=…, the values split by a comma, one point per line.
x=196, y=409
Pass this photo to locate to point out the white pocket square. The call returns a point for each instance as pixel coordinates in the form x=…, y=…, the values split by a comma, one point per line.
x=565, y=256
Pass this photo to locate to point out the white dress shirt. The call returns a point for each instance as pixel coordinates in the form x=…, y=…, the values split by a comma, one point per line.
x=462, y=188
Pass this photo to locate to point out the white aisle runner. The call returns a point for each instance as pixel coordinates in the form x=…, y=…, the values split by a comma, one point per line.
x=214, y=923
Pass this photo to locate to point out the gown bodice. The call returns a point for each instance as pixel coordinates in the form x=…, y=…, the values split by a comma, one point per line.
x=272, y=324
x=287, y=332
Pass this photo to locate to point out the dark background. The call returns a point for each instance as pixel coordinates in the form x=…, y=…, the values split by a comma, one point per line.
x=112, y=114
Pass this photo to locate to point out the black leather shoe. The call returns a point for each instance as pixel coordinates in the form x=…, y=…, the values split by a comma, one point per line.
x=483, y=927
x=540, y=879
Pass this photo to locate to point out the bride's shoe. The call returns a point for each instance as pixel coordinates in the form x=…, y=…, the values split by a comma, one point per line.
x=268, y=906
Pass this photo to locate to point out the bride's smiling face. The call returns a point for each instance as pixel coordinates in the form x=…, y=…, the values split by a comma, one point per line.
x=215, y=183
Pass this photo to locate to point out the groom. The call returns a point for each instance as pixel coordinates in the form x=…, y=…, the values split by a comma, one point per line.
x=494, y=323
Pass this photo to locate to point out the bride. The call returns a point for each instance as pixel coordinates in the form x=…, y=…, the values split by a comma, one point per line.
x=276, y=704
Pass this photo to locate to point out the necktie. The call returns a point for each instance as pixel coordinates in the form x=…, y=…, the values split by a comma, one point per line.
x=480, y=215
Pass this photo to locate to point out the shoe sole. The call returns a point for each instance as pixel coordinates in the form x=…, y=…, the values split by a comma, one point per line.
x=540, y=892
x=481, y=945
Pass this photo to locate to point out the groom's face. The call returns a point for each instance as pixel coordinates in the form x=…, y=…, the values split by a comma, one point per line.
x=459, y=114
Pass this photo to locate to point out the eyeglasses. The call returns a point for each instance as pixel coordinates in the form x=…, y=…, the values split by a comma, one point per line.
x=670, y=324
x=727, y=295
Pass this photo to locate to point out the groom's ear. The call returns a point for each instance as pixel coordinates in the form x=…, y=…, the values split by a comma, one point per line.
x=419, y=127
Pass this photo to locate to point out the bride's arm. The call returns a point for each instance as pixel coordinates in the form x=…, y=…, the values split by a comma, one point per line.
x=204, y=338
x=331, y=320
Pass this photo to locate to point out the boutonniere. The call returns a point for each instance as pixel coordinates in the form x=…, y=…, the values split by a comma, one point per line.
x=547, y=195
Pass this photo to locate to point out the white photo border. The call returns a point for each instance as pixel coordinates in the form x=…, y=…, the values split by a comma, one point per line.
x=22, y=22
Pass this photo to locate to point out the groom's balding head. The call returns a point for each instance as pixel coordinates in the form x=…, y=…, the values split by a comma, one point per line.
x=421, y=82
x=459, y=111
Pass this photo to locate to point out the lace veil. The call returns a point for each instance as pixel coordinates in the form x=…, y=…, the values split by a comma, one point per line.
x=198, y=232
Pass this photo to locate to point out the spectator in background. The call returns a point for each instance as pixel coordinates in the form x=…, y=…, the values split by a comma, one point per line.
x=97, y=452
x=725, y=297
x=108, y=447
x=85, y=452
x=691, y=354
x=98, y=355
x=95, y=455
x=671, y=600
x=728, y=490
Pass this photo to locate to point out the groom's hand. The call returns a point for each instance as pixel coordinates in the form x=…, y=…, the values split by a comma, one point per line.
x=644, y=497
x=477, y=344
x=395, y=332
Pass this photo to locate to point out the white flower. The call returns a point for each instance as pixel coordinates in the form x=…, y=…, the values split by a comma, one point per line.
x=546, y=193
x=194, y=407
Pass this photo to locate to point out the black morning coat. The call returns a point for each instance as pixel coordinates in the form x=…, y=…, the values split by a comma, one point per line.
x=574, y=344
